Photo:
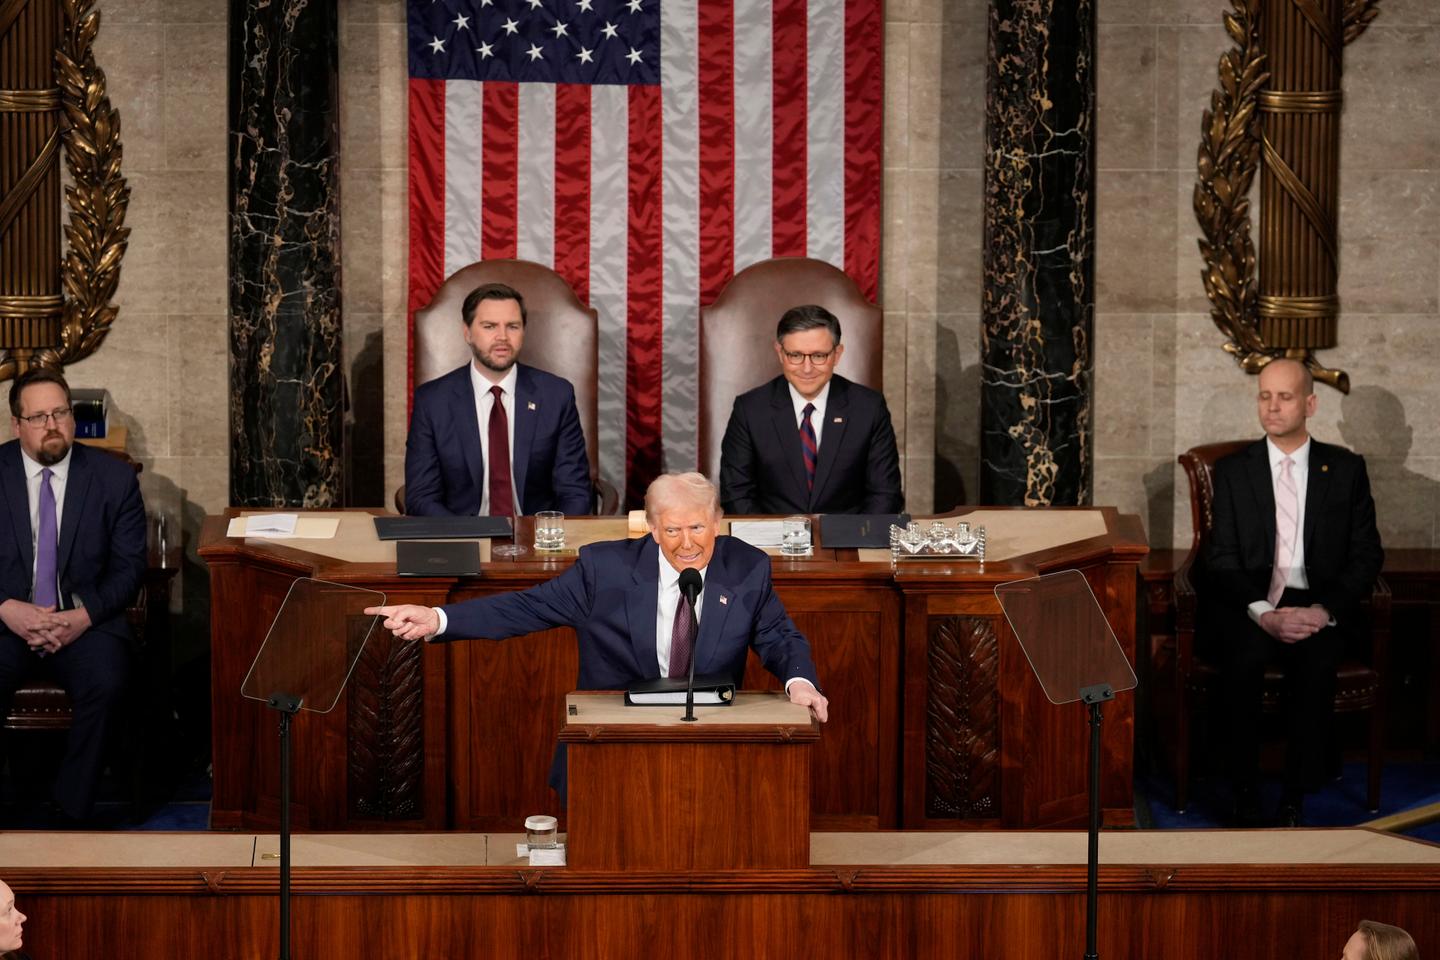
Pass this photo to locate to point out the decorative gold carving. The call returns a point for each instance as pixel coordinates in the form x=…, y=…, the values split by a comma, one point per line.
x=11, y=203
x=29, y=101
x=1259, y=122
x=44, y=305
x=1357, y=16
x=97, y=198
x=1229, y=155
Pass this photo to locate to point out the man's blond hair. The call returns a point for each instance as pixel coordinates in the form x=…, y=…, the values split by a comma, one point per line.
x=672, y=489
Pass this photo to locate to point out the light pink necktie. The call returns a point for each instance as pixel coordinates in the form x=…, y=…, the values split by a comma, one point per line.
x=1287, y=529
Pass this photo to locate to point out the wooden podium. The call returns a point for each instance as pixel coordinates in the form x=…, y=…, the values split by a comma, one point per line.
x=730, y=791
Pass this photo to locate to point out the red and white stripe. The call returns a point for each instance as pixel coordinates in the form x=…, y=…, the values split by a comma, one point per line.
x=763, y=139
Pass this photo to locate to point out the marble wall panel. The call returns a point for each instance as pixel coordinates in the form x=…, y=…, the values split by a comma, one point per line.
x=1124, y=384
x=1125, y=97
x=918, y=468
x=133, y=58
x=193, y=88
x=199, y=370
x=1135, y=235
x=1392, y=118
x=132, y=365
x=1389, y=234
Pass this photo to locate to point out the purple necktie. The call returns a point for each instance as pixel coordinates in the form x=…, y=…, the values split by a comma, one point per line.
x=682, y=639
x=808, y=446
x=45, y=545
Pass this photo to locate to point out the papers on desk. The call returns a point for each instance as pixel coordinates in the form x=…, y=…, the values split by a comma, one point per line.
x=283, y=526
x=758, y=533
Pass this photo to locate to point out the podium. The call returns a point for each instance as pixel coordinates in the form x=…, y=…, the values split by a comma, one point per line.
x=649, y=792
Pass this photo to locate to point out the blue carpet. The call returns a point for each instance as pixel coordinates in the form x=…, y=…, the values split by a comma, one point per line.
x=1404, y=786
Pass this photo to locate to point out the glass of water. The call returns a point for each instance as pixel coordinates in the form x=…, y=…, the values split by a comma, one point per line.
x=795, y=536
x=549, y=530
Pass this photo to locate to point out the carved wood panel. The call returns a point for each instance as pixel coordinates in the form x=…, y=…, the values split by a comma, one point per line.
x=386, y=741
x=962, y=723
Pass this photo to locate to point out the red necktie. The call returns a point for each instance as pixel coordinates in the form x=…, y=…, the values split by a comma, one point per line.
x=808, y=446
x=502, y=501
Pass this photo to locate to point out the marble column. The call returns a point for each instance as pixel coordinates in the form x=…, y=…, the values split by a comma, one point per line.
x=286, y=379
x=1038, y=305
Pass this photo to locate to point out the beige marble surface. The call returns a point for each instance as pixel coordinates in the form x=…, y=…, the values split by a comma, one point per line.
x=38, y=850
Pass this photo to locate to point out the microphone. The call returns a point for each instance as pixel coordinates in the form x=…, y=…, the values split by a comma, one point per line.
x=690, y=586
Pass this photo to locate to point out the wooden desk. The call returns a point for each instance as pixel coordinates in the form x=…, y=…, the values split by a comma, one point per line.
x=1256, y=895
x=936, y=721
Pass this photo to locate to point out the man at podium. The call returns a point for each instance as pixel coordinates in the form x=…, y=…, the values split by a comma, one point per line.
x=623, y=600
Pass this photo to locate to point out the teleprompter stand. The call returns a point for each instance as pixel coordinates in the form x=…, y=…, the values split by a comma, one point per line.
x=304, y=664
x=1075, y=656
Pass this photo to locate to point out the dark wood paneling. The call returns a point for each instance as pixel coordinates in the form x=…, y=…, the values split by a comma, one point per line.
x=1260, y=912
x=490, y=711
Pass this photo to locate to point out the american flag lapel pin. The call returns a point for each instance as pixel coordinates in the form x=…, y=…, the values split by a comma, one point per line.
x=838, y=420
x=530, y=405
x=724, y=600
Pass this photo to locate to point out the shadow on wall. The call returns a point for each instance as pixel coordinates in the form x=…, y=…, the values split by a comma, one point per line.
x=1373, y=424
x=365, y=426
x=957, y=424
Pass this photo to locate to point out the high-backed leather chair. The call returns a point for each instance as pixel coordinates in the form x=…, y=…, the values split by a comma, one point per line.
x=737, y=333
x=561, y=337
x=1359, y=678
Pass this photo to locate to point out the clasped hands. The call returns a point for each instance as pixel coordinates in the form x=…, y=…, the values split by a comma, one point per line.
x=411, y=621
x=1293, y=624
x=44, y=629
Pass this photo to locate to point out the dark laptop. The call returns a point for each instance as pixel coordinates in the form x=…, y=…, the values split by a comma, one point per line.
x=429, y=558
x=858, y=530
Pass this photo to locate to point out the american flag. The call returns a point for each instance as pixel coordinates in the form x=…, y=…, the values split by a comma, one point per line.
x=647, y=151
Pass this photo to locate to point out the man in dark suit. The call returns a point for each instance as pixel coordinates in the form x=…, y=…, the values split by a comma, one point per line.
x=496, y=437
x=1293, y=552
x=73, y=526
x=809, y=441
x=624, y=602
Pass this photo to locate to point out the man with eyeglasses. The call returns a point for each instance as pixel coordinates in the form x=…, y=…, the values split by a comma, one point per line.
x=73, y=526
x=810, y=441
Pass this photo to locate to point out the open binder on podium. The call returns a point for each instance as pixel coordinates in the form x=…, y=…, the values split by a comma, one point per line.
x=304, y=664
x=1075, y=656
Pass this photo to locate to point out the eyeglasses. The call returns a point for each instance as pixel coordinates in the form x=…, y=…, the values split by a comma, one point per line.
x=796, y=358
x=37, y=420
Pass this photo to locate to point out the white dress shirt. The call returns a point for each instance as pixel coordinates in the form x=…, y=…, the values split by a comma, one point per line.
x=817, y=418
x=484, y=403
x=59, y=473
x=1300, y=471
x=669, y=601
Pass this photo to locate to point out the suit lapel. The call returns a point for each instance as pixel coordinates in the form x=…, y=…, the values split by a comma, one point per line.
x=640, y=606
x=837, y=417
x=526, y=414
x=1264, y=486
x=787, y=436
x=469, y=429
x=1317, y=488
x=719, y=594
x=12, y=483
x=77, y=490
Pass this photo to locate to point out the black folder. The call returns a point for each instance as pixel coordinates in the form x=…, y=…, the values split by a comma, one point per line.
x=849, y=531
x=670, y=692
x=429, y=558
x=442, y=528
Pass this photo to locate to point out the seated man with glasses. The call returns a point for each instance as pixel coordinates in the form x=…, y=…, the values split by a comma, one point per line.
x=73, y=526
x=809, y=441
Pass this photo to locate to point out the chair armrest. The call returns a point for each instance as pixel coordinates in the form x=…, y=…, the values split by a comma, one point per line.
x=1186, y=614
x=607, y=498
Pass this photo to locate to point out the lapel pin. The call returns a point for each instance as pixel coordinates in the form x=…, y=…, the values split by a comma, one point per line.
x=838, y=420
x=1324, y=468
x=530, y=405
x=724, y=600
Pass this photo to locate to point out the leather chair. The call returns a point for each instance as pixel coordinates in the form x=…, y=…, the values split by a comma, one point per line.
x=737, y=332
x=1359, y=680
x=562, y=337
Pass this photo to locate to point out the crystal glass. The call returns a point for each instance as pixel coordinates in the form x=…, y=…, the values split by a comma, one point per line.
x=549, y=530
x=795, y=536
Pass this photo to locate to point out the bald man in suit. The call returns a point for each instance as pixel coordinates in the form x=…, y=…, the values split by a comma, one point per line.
x=1294, y=551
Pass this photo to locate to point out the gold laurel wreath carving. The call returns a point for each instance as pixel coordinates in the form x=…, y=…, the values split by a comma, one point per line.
x=1231, y=145
x=1228, y=158
x=1357, y=16
x=97, y=197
